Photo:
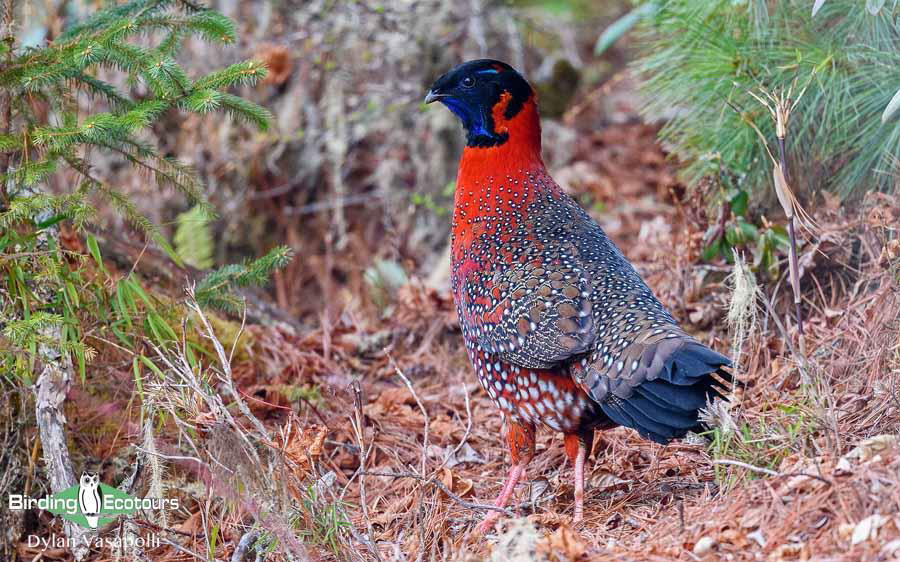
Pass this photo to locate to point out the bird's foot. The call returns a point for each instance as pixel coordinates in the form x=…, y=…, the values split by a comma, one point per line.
x=515, y=473
x=487, y=524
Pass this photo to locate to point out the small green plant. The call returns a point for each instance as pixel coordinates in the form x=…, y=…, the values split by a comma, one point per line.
x=736, y=230
x=781, y=430
x=321, y=523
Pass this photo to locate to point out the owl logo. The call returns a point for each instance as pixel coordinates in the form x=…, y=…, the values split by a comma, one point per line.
x=90, y=498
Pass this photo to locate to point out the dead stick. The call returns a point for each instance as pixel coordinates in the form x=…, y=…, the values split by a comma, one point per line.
x=792, y=254
x=412, y=391
x=795, y=276
x=356, y=421
x=443, y=488
x=50, y=392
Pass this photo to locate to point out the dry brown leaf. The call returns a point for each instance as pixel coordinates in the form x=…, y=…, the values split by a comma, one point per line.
x=563, y=544
x=394, y=396
x=301, y=445
x=459, y=486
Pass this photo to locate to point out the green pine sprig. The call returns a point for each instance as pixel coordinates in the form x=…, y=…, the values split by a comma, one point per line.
x=217, y=289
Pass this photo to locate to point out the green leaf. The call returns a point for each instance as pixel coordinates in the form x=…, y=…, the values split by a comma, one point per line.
x=138, y=380
x=212, y=542
x=94, y=250
x=892, y=107
x=733, y=236
x=193, y=239
x=72, y=294
x=779, y=237
x=710, y=252
x=160, y=329
x=748, y=232
x=150, y=365
x=739, y=203
x=621, y=26
x=134, y=287
x=82, y=367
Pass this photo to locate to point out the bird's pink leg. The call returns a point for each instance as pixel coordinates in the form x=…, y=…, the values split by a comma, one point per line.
x=579, y=483
x=515, y=474
x=520, y=438
x=576, y=449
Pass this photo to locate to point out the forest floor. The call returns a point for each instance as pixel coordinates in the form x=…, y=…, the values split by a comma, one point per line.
x=804, y=463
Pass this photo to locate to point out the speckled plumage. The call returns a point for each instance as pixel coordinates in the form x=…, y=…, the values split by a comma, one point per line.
x=561, y=329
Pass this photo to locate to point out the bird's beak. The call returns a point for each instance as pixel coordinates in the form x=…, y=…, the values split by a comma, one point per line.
x=433, y=96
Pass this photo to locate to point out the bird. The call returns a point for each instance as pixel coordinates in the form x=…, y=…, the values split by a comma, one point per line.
x=561, y=330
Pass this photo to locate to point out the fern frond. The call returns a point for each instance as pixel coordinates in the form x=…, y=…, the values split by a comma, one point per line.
x=193, y=239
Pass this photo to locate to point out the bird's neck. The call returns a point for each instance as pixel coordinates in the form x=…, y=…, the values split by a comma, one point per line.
x=520, y=152
x=491, y=177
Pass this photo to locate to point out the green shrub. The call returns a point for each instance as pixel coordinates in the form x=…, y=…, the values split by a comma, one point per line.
x=124, y=59
x=698, y=58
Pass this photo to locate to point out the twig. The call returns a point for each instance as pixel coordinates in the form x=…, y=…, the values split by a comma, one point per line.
x=770, y=472
x=804, y=365
x=443, y=488
x=751, y=467
x=421, y=407
x=138, y=260
x=465, y=436
x=356, y=421
x=225, y=377
x=172, y=457
x=243, y=547
x=159, y=528
x=183, y=549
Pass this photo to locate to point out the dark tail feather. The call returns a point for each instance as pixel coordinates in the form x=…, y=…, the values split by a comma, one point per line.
x=667, y=407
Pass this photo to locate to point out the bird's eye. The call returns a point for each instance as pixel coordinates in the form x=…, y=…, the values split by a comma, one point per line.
x=467, y=82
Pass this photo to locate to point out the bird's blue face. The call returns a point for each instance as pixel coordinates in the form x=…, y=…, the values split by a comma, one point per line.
x=472, y=89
